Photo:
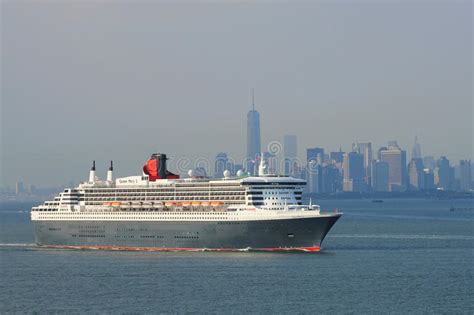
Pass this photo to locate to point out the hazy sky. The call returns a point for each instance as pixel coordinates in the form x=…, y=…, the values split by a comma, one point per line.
x=102, y=80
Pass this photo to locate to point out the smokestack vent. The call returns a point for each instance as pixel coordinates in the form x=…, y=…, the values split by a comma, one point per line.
x=155, y=168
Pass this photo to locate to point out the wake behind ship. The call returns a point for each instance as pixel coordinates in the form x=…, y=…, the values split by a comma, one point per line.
x=159, y=211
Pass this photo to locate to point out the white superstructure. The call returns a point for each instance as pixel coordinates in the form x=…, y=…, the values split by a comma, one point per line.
x=249, y=198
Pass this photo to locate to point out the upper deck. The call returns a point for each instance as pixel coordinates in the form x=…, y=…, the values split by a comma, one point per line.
x=268, y=192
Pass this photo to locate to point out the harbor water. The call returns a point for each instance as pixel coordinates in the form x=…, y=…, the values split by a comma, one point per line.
x=397, y=256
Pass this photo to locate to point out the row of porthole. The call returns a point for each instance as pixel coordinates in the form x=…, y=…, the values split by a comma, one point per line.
x=179, y=214
x=122, y=217
x=131, y=215
x=132, y=218
x=139, y=218
x=251, y=215
x=187, y=216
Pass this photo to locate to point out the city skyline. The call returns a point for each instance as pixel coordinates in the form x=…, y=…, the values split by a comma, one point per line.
x=287, y=158
x=329, y=73
x=401, y=174
x=214, y=165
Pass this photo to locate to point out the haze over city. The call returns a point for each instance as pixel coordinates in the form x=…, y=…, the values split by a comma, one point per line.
x=104, y=81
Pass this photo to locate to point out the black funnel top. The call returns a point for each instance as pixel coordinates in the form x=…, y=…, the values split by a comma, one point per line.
x=162, y=165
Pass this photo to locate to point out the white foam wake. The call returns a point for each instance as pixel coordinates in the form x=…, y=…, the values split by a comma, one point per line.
x=17, y=245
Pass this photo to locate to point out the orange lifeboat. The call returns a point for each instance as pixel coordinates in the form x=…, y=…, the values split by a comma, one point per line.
x=186, y=204
x=196, y=203
x=106, y=203
x=216, y=203
x=169, y=203
x=115, y=204
x=205, y=204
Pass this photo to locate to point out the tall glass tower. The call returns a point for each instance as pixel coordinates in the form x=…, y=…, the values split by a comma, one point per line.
x=253, y=138
x=416, y=151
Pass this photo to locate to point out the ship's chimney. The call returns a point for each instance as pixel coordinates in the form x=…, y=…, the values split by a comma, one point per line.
x=162, y=171
x=155, y=168
x=109, y=172
x=92, y=173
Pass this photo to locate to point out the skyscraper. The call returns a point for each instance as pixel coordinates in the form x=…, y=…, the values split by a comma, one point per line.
x=337, y=156
x=289, y=153
x=429, y=162
x=313, y=153
x=332, y=181
x=396, y=160
x=296, y=170
x=444, y=174
x=379, y=152
x=416, y=174
x=220, y=165
x=314, y=177
x=19, y=188
x=428, y=179
x=354, y=173
x=465, y=175
x=416, y=151
x=365, y=148
x=380, y=176
x=253, y=138
x=314, y=174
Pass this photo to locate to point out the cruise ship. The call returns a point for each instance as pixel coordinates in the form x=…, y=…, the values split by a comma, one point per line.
x=158, y=210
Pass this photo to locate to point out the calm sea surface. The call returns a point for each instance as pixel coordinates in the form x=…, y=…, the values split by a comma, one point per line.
x=400, y=256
